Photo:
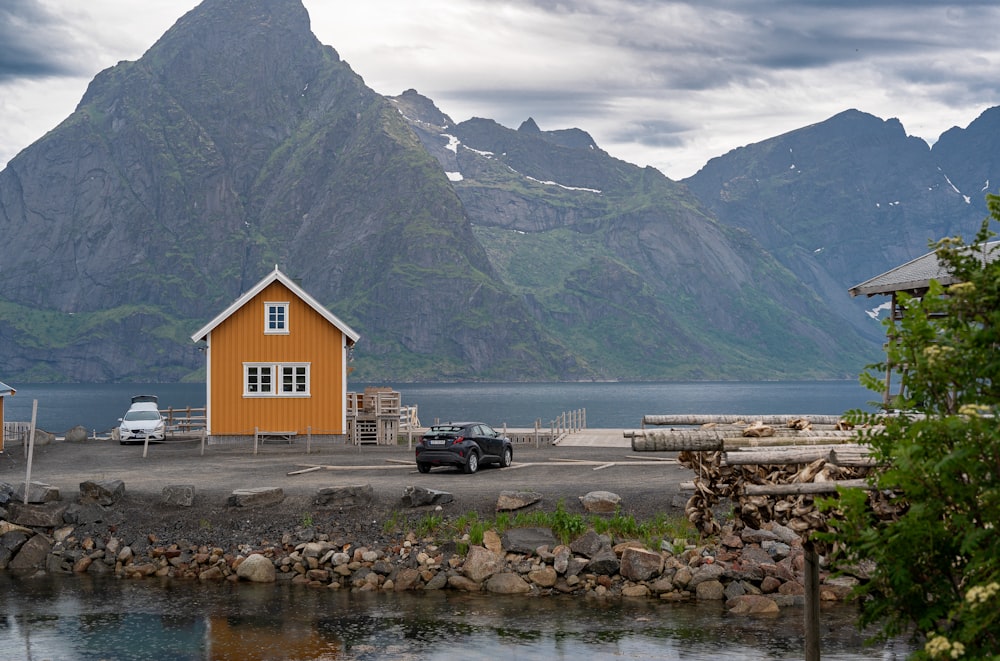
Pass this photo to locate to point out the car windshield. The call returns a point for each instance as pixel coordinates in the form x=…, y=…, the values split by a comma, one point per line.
x=135, y=416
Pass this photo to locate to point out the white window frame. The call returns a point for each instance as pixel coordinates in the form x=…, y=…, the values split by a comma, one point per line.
x=299, y=386
x=254, y=382
x=280, y=310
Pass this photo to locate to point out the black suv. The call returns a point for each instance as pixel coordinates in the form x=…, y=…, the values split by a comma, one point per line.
x=465, y=445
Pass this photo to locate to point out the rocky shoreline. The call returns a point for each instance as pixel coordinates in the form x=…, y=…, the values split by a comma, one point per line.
x=756, y=572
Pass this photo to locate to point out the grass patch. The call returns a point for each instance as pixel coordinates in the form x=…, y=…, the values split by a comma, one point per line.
x=564, y=525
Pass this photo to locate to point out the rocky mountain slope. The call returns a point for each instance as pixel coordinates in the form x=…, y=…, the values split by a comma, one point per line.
x=846, y=199
x=458, y=251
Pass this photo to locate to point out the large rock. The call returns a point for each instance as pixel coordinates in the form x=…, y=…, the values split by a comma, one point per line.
x=601, y=502
x=38, y=492
x=354, y=495
x=710, y=591
x=527, y=540
x=42, y=437
x=590, y=544
x=77, y=434
x=103, y=492
x=640, y=564
x=420, y=496
x=257, y=569
x=604, y=563
x=31, y=555
x=90, y=513
x=47, y=515
x=481, y=563
x=753, y=604
x=507, y=583
x=256, y=497
x=179, y=495
x=11, y=542
x=515, y=500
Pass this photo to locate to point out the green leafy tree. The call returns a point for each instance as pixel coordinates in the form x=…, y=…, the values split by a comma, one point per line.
x=929, y=535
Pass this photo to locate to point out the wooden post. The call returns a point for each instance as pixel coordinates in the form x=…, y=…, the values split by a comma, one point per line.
x=812, y=601
x=145, y=445
x=204, y=433
x=537, y=422
x=309, y=438
x=256, y=436
x=31, y=449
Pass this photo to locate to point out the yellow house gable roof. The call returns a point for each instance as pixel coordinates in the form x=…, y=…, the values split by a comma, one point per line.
x=5, y=389
x=277, y=275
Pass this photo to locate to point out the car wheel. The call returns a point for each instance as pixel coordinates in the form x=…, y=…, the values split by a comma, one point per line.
x=507, y=459
x=424, y=468
x=472, y=465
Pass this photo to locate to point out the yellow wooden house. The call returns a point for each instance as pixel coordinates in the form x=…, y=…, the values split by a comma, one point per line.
x=5, y=391
x=276, y=364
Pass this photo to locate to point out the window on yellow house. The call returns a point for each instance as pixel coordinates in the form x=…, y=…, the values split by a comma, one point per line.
x=292, y=380
x=276, y=318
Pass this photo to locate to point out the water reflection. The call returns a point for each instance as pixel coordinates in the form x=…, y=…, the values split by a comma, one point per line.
x=103, y=618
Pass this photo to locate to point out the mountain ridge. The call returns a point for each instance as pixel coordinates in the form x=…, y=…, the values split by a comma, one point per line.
x=459, y=251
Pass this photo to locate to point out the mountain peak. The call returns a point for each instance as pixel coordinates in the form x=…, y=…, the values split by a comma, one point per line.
x=416, y=106
x=529, y=126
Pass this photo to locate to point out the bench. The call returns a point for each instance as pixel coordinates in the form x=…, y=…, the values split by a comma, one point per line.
x=276, y=436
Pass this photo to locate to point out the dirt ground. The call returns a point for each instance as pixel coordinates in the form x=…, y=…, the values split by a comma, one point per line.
x=648, y=485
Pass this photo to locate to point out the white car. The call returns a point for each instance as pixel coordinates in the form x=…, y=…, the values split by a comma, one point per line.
x=142, y=421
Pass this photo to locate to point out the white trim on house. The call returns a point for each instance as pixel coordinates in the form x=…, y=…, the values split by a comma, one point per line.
x=276, y=275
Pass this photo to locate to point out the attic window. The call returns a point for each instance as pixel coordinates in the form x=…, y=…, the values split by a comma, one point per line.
x=275, y=318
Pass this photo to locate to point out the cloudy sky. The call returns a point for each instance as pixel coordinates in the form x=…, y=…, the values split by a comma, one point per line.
x=656, y=82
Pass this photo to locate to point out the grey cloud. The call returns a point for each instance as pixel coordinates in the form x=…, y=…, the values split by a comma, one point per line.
x=653, y=133
x=34, y=42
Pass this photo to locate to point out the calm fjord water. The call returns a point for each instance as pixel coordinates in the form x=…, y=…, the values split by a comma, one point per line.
x=609, y=405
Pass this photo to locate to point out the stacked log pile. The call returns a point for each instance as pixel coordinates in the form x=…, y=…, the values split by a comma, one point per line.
x=772, y=468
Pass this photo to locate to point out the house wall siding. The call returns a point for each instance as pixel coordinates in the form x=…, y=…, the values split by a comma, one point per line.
x=311, y=339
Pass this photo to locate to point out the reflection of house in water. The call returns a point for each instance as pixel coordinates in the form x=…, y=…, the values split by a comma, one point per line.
x=260, y=637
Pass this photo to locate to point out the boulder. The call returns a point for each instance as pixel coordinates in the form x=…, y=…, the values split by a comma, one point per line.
x=526, y=540
x=77, y=434
x=481, y=563
x=601, y=502
x=354, y=495
x=589, y=544
x=561, y=558
x=458, y=582
x=103, y=492
x=704, y=573
x=46, y=515
x=406, y=579
x=605, y=563
x=7, y=492
x=710, y=591
x=420, y=496
x=545, y=577
x=507, y=583
x=256, y=497
x=38, y=492
x=180, y=495
x=31, y=555
x=492, y=541
x=515, y=500
x=89, y=513
x=752, y=604
x=43, y=437
x=640, y=564
x=257, y=569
